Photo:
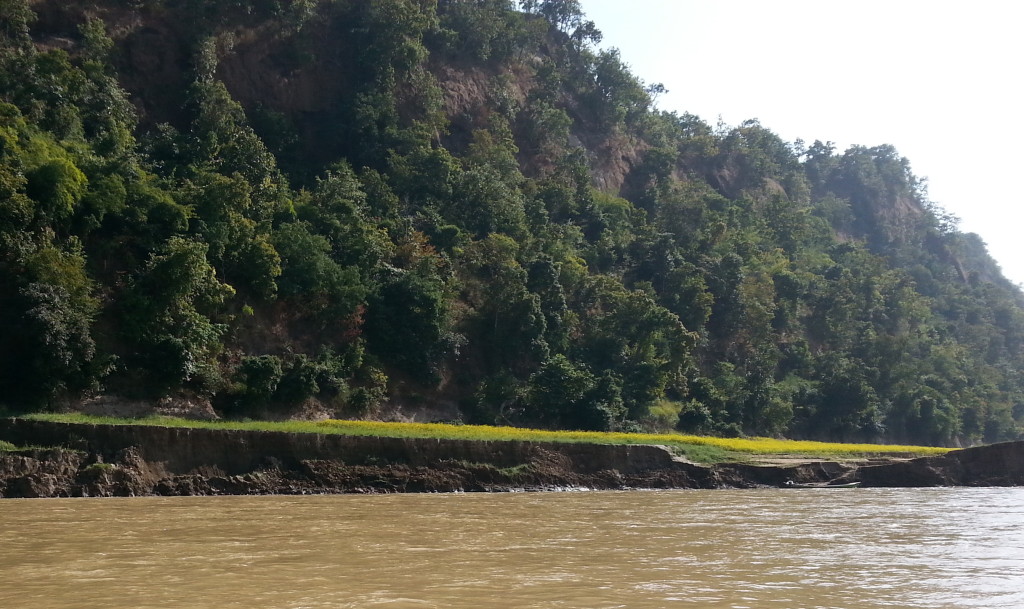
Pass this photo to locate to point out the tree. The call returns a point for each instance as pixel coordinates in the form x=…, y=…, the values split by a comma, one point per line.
x=482, y=203
x=507, y=324
x=407, y=324
x=47, y=350
x=15, y=16
x=312, y=282
x=239, y=248
x=565, y=15
x=632, y=337
x=166, y=312
x=563, y=395
x=618, y=96
x=339, y=210
x=845, y=407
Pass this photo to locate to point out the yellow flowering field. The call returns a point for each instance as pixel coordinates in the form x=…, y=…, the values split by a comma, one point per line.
x=763, y=446
x=742, y=445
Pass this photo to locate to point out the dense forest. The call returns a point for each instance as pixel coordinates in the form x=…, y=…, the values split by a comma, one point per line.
x=381, y=206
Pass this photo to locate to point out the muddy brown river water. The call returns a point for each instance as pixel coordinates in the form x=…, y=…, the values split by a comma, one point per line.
x=786, y=549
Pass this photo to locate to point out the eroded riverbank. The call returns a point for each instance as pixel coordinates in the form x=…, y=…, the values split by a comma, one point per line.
x=117, y=460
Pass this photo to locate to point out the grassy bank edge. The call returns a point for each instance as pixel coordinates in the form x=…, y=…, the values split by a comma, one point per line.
x=700, y=449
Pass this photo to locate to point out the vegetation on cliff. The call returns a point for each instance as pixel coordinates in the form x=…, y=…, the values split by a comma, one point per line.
x=363, y=204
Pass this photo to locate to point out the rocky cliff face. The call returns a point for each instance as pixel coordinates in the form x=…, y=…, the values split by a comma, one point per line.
x=104, y=460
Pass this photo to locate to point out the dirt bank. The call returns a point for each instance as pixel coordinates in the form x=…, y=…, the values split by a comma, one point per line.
x=106, y=460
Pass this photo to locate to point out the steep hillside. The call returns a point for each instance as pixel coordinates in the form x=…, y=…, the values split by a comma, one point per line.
x=462, y=210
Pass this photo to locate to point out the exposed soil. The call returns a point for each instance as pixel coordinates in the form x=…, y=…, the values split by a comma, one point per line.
x=187, y=407
x=105, y=460
x=70, y=473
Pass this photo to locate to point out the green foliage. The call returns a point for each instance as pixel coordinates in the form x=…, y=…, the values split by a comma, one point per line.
x=271, y=385
x=373, y=390
x=16, y=17
x=339, y=210
x=486, y=30
x=470, y=206
x=261, y=376
x=407, y=323
x=57, y=186
x=506, y=325
x=239, y=248
x=482, y=203
x=48, y=349
x=53, y=341
x=564, y=396
x=166, y=315
x=618, y=97
x=311, y=280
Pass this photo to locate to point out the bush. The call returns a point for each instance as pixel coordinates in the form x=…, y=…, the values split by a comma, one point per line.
x=260, y=375
x=367, y=398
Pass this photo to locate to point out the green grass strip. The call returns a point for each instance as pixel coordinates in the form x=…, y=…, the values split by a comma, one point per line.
x=700, y=448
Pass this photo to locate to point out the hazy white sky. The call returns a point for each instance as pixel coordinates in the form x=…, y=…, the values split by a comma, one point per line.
x=941, y=81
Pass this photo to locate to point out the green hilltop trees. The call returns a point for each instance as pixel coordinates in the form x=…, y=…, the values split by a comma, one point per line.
x=365, y=205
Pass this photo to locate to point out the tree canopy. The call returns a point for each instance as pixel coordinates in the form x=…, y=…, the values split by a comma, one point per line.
x=370, y=205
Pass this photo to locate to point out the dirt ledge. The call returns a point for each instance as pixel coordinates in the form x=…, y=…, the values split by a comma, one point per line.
x=107, y=460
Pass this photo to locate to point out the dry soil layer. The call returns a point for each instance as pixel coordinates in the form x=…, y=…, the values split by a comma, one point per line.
x=124, y=460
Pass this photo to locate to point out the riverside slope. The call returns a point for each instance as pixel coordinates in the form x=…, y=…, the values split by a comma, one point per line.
x=124, y=460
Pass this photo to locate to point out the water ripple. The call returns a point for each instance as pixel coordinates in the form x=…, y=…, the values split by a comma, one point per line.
x=861, y=549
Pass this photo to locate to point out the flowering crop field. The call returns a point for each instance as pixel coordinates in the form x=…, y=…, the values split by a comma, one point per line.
x=741, y=445
x=685, y=443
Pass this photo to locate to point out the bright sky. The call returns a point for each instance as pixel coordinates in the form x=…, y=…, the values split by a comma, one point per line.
x=939, y=80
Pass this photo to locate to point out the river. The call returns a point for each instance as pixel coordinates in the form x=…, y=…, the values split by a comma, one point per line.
x=786, y=548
